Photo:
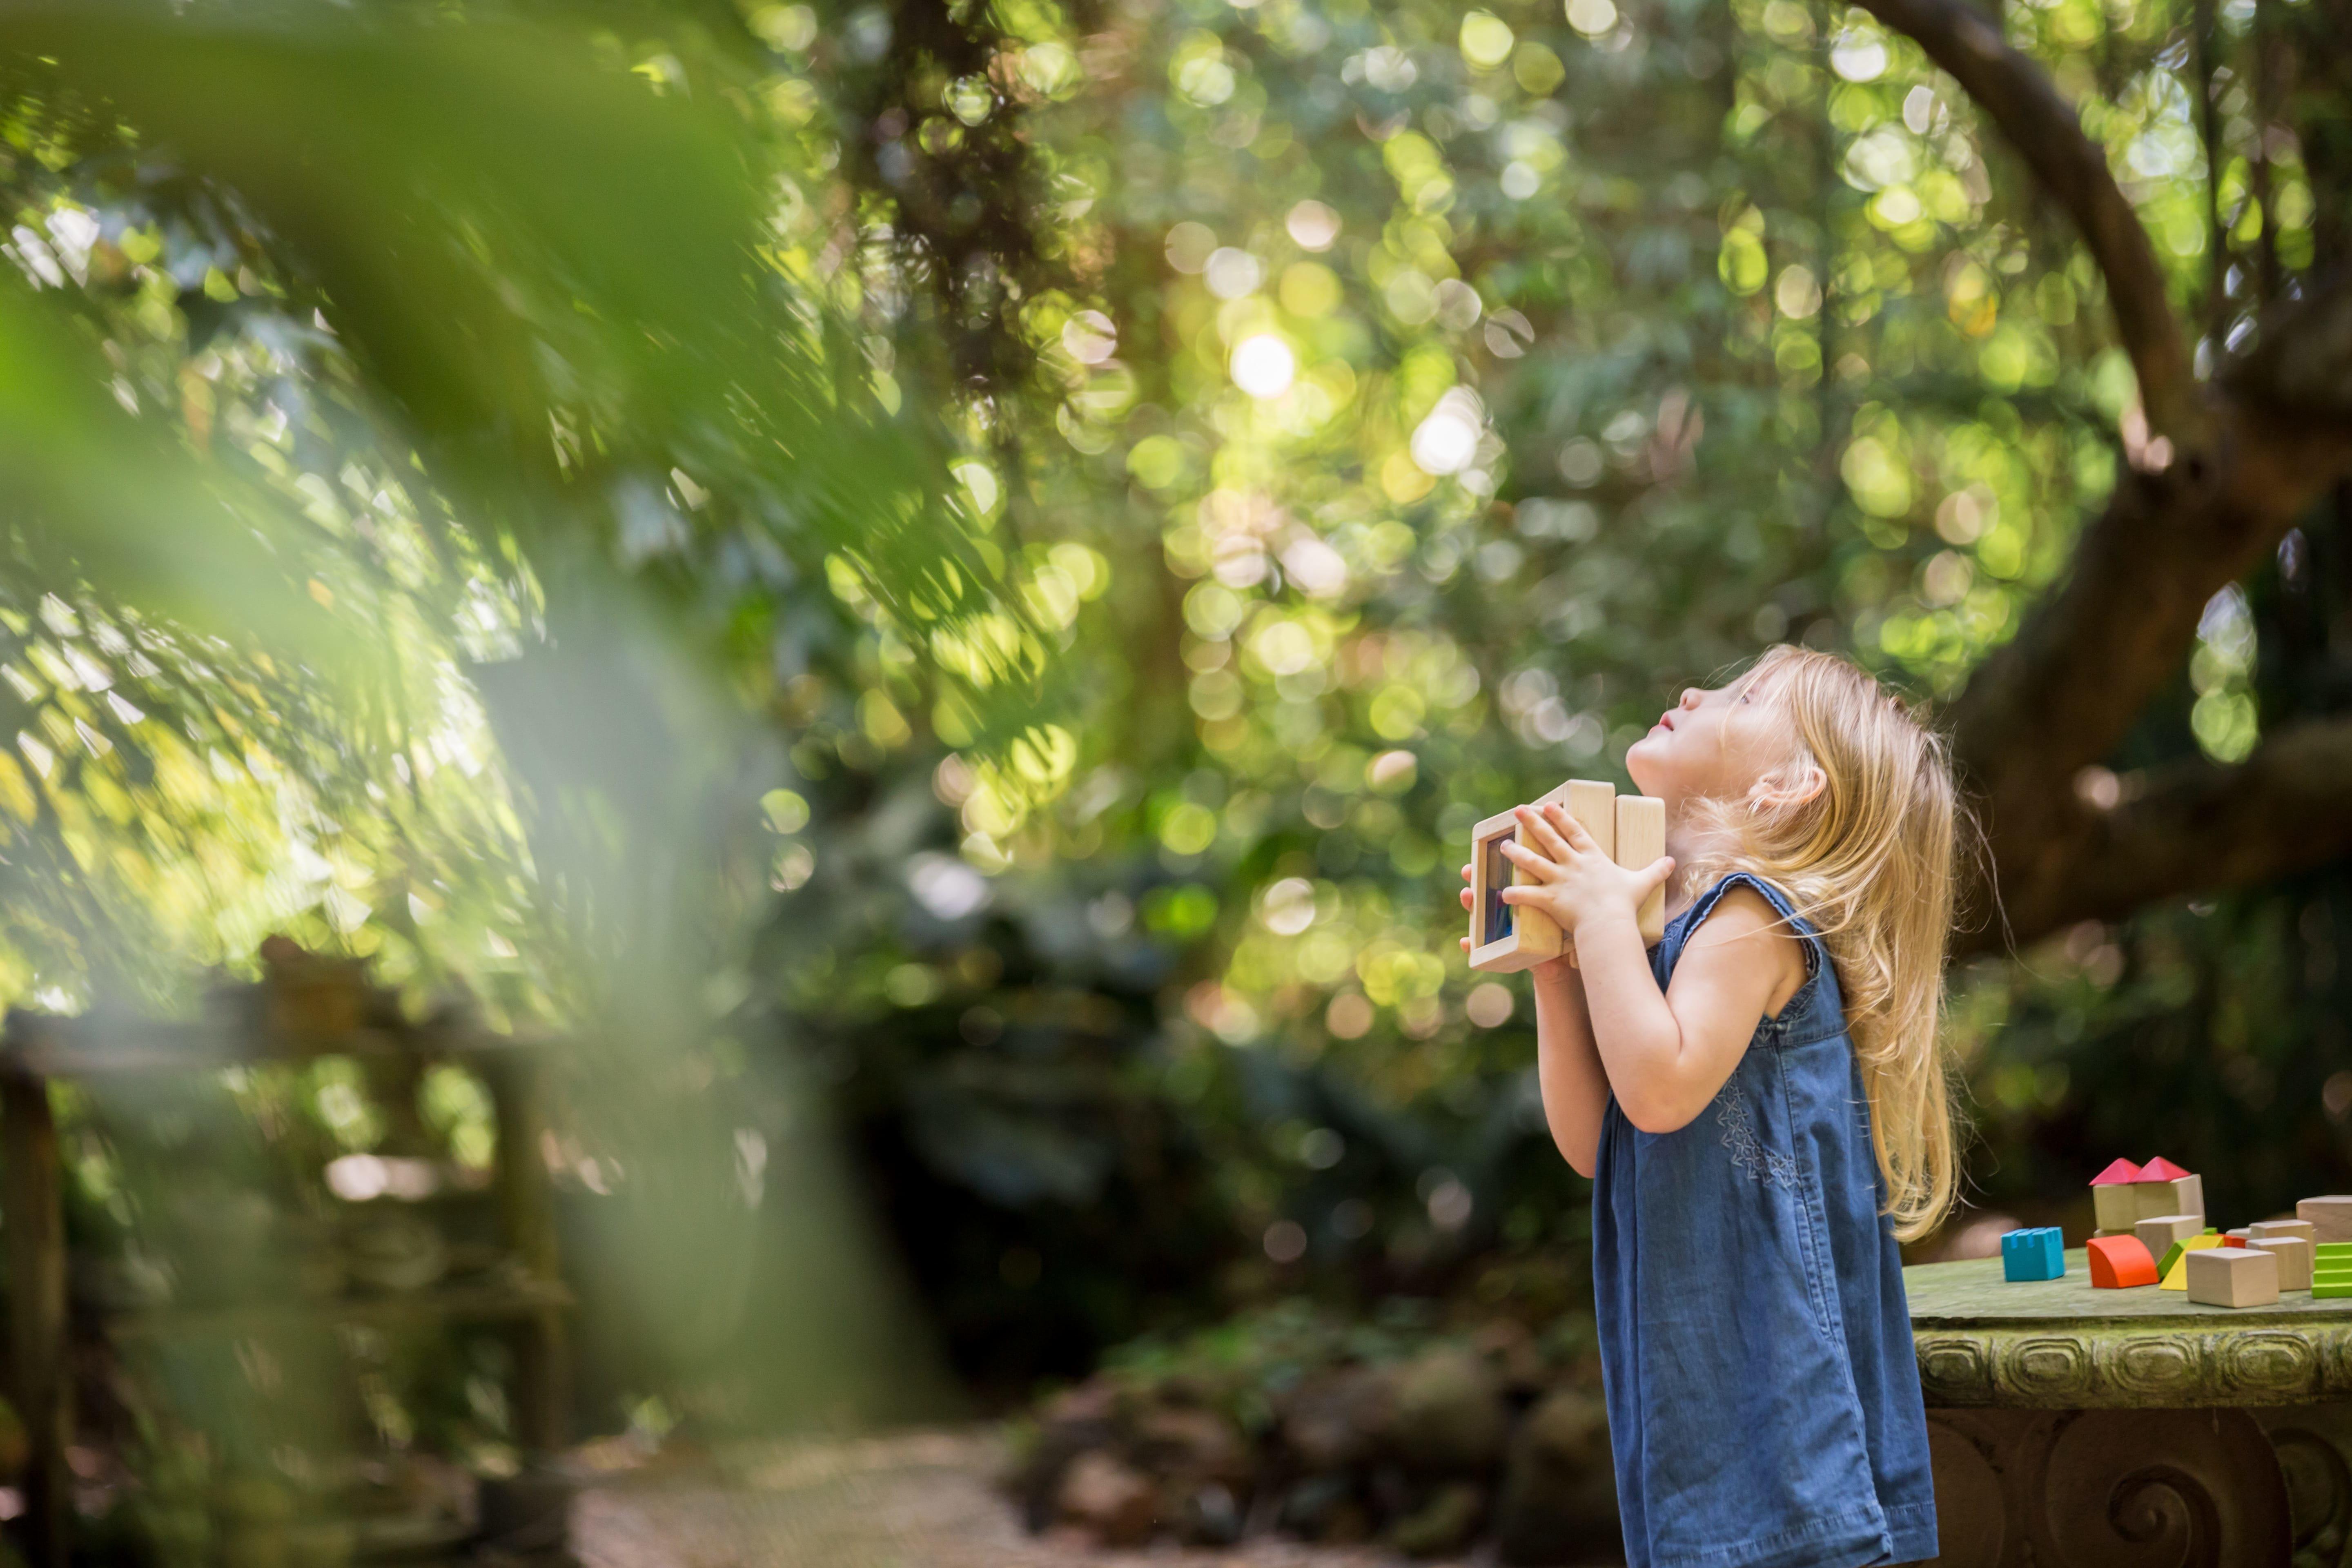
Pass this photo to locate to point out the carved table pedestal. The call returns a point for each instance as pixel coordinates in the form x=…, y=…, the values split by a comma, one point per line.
x=2077, y=1428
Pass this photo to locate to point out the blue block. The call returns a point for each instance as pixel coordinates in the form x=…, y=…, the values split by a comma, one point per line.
x=2037, y=1254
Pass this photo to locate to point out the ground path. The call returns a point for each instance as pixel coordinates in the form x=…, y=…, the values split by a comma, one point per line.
x=919, y=1500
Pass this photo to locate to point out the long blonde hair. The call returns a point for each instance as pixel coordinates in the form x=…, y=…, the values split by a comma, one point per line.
x=1868, y=861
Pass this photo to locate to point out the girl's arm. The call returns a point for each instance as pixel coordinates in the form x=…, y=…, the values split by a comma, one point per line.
x=1567, y=1066
x=1666, y=1054
x=1568, y=1069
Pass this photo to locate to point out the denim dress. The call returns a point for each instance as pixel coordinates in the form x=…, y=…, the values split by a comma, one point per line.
x=1764, y=1403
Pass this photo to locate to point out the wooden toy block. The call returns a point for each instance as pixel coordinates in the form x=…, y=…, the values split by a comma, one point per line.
x=1593, y=803
x=2232, y=1277
x=2119, y=1262
x=2119, y=1171
x=1505, y=938
x=2330, y=1217
x=1641, y=839
x=2174, y=1194
x=2033, y=1254
x=2294, y=1259
x=2274, y=1229
x=2331, y=1289
x=2159, y=1234
x=2175, y=1276
x=2116, y=1208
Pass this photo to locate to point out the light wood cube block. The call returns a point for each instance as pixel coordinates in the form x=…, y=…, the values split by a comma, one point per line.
x=1641, y=839
x=2294, y=1255
x=2159, y=1234
x=2330, y=1217
x=2232, y=1276
x=2182, y=1194
x=2277, y=1229
x=2117, y=1206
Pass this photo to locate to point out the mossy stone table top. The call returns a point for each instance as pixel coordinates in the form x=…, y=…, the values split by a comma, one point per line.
x=2059, y=1345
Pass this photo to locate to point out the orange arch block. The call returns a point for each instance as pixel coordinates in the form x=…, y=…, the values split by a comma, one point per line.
x=2118, y=1262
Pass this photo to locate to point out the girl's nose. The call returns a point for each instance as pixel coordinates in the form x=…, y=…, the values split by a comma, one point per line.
x=1691, y=695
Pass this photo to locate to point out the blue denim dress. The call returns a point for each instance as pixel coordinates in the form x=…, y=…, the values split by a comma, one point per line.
x=1755, y=1351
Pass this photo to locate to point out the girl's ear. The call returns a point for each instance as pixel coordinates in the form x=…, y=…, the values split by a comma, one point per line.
x=1786, y=787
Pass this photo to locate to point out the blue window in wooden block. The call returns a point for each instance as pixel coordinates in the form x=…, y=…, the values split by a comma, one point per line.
x=2035, y=1254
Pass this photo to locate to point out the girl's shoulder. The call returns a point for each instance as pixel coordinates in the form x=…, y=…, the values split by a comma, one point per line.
x=1744, y=911
x=1742, y=899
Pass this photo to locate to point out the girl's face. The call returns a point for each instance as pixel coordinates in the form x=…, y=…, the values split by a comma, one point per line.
x=1716, y=743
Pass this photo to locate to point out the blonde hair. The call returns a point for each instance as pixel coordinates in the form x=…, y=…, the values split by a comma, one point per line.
x=1868, y=861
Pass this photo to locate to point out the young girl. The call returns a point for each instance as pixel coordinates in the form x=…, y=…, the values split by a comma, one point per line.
x=1760, y=1103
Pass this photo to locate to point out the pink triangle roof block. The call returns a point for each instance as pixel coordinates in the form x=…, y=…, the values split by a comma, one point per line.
x=2160, y=1170
x=2121, y=1171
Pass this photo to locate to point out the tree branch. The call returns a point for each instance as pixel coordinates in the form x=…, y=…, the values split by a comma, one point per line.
x=2046, y=132
x=2063, y=694
x=2190, y=827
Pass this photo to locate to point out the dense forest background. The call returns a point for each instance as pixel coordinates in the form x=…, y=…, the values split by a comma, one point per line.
x=941, y=583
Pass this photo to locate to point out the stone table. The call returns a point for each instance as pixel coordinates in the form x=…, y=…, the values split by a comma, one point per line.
x=2078, y=1426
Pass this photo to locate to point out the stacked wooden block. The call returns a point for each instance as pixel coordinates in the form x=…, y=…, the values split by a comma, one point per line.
x=2124, y=1194
x=1630, y=830
x=2146, y=1212
x=2291, y=1242
x=2152, y=1231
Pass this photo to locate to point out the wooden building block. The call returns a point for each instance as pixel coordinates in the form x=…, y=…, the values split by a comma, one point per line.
x=2116, y=1208
x=2159, y=1234
x=2232, y=1276
x=2175, y=1194
x=1506, y=938
x=2294, y=1255
x=1641, y=839
x=2235, y=1237
x=2273, y=1229
x=2034, y=1254
x=1593, y=803
x=2119, y=1262
x=2330, y=1217
x=2175, y=1276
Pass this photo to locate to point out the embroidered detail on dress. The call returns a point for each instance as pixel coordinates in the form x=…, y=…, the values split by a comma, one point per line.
x=1739, y=1136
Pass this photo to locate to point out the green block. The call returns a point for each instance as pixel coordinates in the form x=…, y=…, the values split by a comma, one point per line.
x=2325, y=1289
x=2333, y=1249
x=2171, y=1257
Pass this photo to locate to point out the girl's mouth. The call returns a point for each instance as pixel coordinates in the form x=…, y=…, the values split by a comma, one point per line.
x=1666, y=721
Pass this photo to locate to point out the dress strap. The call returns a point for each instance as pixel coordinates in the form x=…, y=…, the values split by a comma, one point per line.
x=1792, y=1013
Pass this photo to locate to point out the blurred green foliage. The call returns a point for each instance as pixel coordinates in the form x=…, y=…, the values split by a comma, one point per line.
x=1131, y=484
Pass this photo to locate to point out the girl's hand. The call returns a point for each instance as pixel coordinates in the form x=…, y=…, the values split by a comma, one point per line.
x=1565, y=961
x=1569, y=879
